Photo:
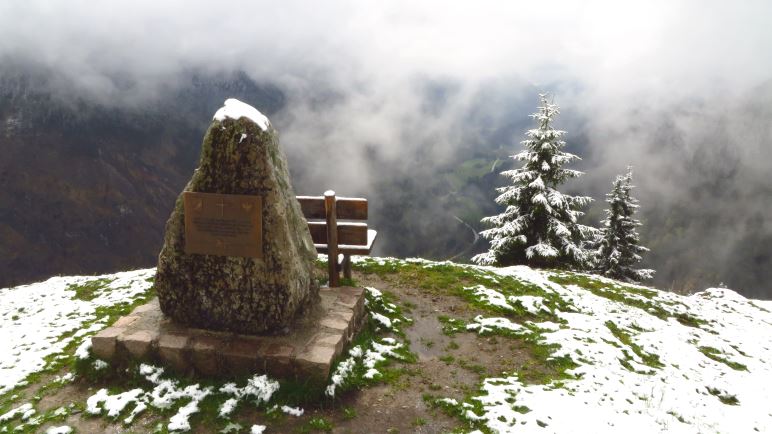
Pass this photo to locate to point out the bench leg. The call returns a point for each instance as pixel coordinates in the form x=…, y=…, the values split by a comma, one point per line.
x=333, y=271
x=347, y=266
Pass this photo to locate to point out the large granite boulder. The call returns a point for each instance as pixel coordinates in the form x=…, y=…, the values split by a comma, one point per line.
x=240, y=155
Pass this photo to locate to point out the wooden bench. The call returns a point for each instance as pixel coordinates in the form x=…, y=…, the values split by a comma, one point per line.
x=348, y=237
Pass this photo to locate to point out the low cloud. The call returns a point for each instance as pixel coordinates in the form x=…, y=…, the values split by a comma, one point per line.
x=680, y=90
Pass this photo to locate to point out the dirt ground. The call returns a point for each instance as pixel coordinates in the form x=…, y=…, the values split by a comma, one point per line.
x=446, y=366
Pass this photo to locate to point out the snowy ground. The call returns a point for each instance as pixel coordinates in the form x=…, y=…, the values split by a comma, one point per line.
x=640, y=372
x=642, y=360
x=47, y=322
x=41, y=319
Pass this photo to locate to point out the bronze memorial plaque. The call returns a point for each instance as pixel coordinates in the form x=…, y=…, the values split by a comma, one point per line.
x=223, y=224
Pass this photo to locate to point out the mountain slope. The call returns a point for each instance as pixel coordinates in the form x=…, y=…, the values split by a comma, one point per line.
x=448, y=347
x=87, y=186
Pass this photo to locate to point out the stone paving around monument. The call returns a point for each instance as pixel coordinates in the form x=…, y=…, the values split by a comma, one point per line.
x=306, y=350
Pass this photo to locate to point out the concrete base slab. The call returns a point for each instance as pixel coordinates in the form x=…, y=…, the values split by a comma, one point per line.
x=304, y=351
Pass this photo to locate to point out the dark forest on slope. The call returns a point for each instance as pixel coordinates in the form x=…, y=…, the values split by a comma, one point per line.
x=87, y=186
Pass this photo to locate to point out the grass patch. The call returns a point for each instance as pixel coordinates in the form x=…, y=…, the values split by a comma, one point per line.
x=33, y=424
x=717, y=355
x=349, y=413
x=677, y=416
x=723, y=396
x=374, y=331
x=640, y=298
x=459, y=409
x=451, y=326
x=440, y=278
x=473, y=367
x=650, y=360
x=89, y=290
x=318, y=424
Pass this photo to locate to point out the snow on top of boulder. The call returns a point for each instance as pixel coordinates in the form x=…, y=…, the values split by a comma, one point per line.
x=236, y=109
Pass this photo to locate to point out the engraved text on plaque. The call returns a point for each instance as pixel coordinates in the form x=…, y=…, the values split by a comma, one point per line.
x=223, y=224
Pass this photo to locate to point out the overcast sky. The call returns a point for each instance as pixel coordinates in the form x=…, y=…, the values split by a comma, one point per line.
x=631, y=75
x=614, y=63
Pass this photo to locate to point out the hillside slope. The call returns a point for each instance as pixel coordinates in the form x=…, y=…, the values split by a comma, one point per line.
x=448, y=347
x=87, y=186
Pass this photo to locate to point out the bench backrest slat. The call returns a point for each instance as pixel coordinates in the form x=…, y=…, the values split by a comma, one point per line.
x=347, y=208
x=348, y=233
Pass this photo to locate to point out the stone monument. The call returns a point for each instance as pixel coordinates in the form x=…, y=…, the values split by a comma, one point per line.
x=237, y=254
x=238, y=257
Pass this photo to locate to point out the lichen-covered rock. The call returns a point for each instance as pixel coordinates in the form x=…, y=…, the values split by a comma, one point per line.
x=240, y=155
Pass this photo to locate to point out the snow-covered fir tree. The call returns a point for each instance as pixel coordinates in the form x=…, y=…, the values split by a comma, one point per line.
x=539, y=225
x=618, y=249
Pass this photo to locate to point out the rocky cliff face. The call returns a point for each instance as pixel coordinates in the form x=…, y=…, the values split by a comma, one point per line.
x=240, y=155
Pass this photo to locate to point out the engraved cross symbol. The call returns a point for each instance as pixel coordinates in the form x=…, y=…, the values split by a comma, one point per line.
x=222, y=207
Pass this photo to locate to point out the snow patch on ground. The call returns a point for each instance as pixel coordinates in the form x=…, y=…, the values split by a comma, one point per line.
x=363, y=362
x=33, y=318
x=378, y=353
x=25, y=411
x=532, y=304
x=343, y=371
x=59, y=430
x=490, y=296
x=84, y=350
x=163, y=395
x=227, y=407
x=260, y=388
x=368, y=359
x=660, y=380
x=487, y=325
x=381, y=320
x=293, y=411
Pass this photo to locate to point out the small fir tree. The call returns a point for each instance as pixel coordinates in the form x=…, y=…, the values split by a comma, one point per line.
x=539, y=225
x=618, y=249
